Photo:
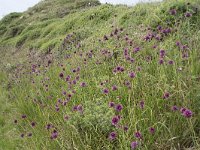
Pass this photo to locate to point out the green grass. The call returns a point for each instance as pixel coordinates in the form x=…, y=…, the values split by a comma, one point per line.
x=36, y=94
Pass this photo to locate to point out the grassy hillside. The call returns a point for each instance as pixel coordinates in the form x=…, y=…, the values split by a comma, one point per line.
x=81, y=75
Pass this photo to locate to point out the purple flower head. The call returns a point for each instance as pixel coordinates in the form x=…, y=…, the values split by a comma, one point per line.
x=30, y=134
x=78, y=69
x=185, y=55
x=188, y=14
x=162, y=53
x=80, y=108
x=23, y=116
x=33, y=124
x=66, y=117
x=83, y=84
x=132, y=60
x=118, y=107
x=127, y=83
x=48, y=126
x=125, y=51
x=61, y=75
x=173, y=12
x=182, y=110
x=105, y=91
x=122, y=69
x=166, y=95
x=22, y=135
x=161, y=61
x=187, y=113
x=171, y=62
x=54, y=134
x=132, y=75
x=128, y=58
x=112, y=135
x=111, y=104
x=152, y=130
x=115, y=120
x=137, y=49
x=57, y=109
x=174, y=108
x=125, y=128
x=74, y=81
x=134, y=145
x=159, y=27
x=139, y=68
x=138, y=135
x=154, y=46
x=75, y=108
x=142, y=104
x=184, y=47
x=118, y=68
x=68, y=78
x=114, y=88
x=178, y=43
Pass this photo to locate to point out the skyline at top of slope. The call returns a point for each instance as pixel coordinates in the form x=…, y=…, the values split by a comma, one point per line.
x=9, y=6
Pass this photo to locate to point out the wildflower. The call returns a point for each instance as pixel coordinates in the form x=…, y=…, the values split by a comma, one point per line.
x=74, y=81
x=125, y=128
x=173, y=11
x=23, y=116
x=75, y=108
x=188, y=14
x=132, y=60
x=152, y=130
x=111, y=104
x=73, y=70
x=166, y=95
x=171, y=62
x=61, y=75
x=114, y=88
x=80, y=108
x=174, y=108
x=33, y=124
x=182, y=110
x=142, y=104
x=105, y=91
x=68, y=78
x=48, y=126
x=22, y=135
x=162, y=53
x=54, y=134
x=115, y=120
x=136, y=49
x=122, y=69
x=132, y=75
x=159, y=27
x=83, y=84
x=138, y=135
x=134, y=145
x=30, y=134
x=112, y=135
x=187, y=113
x=66, y=117
x=178, y=43
x=119, y=107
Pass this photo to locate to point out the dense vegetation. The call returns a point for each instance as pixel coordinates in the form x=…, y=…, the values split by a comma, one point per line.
x=82, y=75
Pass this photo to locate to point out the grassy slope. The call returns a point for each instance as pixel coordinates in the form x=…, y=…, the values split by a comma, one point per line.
x=89, y=25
